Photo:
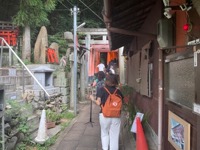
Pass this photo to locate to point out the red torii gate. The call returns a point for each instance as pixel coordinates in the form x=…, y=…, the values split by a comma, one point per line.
x=94, y=59
x=9, y=32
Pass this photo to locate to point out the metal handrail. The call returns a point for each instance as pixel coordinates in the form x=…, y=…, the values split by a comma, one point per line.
x=10, y=49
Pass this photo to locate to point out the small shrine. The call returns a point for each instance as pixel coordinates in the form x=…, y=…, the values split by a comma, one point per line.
x=44, y=75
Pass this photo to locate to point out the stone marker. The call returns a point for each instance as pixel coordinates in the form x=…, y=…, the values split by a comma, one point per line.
x=41, y=45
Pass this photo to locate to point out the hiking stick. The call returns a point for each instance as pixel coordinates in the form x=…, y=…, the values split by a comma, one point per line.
x=90, y=119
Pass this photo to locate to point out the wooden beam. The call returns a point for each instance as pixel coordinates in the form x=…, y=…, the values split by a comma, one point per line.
x=107, y=6
x=132, y=33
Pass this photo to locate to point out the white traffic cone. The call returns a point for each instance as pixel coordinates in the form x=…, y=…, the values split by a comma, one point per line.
x=42, y=131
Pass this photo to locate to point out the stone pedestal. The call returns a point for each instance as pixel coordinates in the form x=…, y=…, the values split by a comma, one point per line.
x=44, y=75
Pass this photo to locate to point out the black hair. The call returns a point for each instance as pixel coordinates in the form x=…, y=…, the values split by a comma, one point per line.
x=111, y=80
x=101, y=75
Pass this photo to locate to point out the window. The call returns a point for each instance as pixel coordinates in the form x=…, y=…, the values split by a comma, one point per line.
x=179, y=80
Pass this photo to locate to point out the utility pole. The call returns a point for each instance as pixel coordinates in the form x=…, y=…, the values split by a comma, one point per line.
x=75, y=12
x=88, y=40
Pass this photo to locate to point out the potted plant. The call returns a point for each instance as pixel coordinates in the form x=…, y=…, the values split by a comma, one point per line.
x=52, y=118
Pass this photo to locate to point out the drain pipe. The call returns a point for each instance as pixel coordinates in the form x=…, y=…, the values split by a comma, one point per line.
x=10, y=49
x=160, y=98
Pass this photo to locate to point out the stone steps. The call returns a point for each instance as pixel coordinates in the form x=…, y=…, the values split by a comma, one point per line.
x=13, y=80
x=13, y=72
x=7, y=72
x=18, y=80
x=9, y=87
x=14, y=93
x=7, y=79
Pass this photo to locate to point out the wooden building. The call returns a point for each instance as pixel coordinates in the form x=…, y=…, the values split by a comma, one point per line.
x=161, y=42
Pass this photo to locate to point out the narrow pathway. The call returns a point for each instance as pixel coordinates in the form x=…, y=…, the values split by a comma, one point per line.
x=82, y=134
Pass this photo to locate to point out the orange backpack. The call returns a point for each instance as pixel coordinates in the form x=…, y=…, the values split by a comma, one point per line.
x=113, y=105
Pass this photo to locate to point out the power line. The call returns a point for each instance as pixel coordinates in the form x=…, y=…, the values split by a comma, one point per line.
x=92, y=11
x=70, y=2
x=89, y=6
x=65, y=5
x=61, y=9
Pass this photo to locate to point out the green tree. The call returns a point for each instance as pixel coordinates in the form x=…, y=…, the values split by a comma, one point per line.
x=31, y=14
x=61, y=18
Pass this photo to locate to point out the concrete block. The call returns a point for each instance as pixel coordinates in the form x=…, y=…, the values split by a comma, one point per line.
x=50, y=91
x=7, y=72
x=61, y=82
x=60, y=74
x=65, y=91
x=12, y=72
x=10, y=87
x=21, y=72
x=54, y=90
x=7, y=80
x=27, y=80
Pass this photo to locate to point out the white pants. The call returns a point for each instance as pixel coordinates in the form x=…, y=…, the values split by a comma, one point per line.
x=110, y=129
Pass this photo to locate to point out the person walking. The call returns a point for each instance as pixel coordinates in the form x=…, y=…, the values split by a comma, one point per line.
x=112, y=71
x=101, y=80
x=101, y=67
x=110, y=126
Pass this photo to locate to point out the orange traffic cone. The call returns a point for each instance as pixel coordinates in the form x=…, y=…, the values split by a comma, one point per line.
x=141, y=143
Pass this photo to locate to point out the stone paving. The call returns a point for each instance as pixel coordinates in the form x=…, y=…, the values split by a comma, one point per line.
x=84, y=134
